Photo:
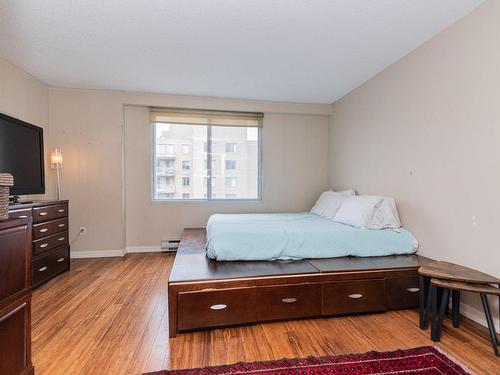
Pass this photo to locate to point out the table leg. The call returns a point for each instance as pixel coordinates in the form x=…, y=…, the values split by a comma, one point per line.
x=423, y=284
x=455, y=309
x=491, y=323
x=438, y=320
x=428, y=306
x=432, y=307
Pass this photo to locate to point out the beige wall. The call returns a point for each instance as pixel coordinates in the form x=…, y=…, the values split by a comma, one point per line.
x=24, y=97
x=427, y=132
x=89, y=126
x=295, y=168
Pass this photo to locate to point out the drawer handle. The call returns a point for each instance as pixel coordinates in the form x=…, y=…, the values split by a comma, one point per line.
x=220, y=306
x=60, y=260
x=61, y=239
x=413, y=290
x=44, y=245
x=43, y=230
x=60, y=225
x=60, y=210
x=289, y=300
x=43, y=214
x=23, y=216
x=355, y=296
x=43, y=269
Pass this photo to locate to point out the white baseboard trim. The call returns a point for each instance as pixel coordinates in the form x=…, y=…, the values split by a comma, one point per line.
x=478, y=315
x=114, y=253
x=143, y=249
x=97, y=254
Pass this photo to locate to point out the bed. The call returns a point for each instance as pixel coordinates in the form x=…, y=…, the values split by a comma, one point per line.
x=288, y=236
x=204, y=293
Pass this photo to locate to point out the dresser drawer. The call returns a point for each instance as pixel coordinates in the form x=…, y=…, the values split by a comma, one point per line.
x=402, y=292
x=353, y=296
x=51, y=242
x=46, y=213
x=22, y=213
x=49, y=228
x=50, y=264
x=288, y=302
x=212, y=308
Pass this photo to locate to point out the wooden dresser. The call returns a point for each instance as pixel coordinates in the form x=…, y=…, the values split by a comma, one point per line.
x=50, y=242
x=15, y=297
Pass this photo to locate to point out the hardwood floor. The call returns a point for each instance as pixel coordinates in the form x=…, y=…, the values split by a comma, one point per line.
x=109, y=316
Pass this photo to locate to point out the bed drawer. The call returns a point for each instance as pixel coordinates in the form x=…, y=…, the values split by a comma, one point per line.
x=353, y=296
x=49, y=228
x=288, y=302
x=213, y=308
x=51, y=242
x=48, y=265
x=41, y=214
x=402, y=292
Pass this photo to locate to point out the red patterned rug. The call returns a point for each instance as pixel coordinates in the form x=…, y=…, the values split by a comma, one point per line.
x=423, y=360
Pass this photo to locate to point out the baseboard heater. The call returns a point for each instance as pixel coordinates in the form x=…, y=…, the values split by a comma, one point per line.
x=169, y=246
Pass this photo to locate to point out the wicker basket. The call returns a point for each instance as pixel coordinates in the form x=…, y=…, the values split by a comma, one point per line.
x=6, y=181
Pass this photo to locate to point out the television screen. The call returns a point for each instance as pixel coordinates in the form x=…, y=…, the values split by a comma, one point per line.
x=21, y=154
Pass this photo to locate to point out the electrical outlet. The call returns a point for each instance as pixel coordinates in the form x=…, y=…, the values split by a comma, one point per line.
x=83, y=231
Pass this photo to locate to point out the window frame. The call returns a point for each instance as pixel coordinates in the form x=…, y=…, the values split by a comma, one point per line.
x=260, y=170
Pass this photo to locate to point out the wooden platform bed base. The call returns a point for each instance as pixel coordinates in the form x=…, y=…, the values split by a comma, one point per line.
x=206, y=294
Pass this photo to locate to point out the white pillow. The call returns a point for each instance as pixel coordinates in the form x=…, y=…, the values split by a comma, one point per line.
x=386, y=215
x=358, y=211
x=329, y=202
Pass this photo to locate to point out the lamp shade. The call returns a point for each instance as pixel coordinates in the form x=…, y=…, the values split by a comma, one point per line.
x=56, y=158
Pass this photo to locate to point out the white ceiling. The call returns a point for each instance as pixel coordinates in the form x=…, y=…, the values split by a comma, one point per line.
x=309, y=51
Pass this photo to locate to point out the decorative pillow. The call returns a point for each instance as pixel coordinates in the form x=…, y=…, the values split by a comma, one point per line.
x=329, y=202
x=358, y=211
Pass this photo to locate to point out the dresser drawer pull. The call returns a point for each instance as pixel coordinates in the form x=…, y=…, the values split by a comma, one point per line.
x=61, y=225
x=44, y=245
x=43, y=214
x=61, y=239
x=42, y=269
x=23, y=216
x=43, y=230
x=61, y=210
x=355, y=296
x=413, y=290
x=60, y=260
x=289, y=300
x=220, y=306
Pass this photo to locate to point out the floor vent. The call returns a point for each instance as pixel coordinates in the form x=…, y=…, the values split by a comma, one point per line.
x=169, y=245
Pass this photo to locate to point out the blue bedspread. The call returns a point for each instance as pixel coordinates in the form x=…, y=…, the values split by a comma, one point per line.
x=298, y=236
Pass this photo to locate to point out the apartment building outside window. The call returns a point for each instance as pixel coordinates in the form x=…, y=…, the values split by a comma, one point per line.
x=194, y=147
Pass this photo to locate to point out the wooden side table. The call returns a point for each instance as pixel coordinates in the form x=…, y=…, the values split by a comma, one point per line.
x=438, y=280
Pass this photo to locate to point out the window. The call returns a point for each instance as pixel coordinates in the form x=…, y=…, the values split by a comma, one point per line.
x=200, y=139
x=231, y=182
x=230, y=164
x=230, y=147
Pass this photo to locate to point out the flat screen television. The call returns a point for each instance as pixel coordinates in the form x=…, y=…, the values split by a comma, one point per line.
x=21, y=154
